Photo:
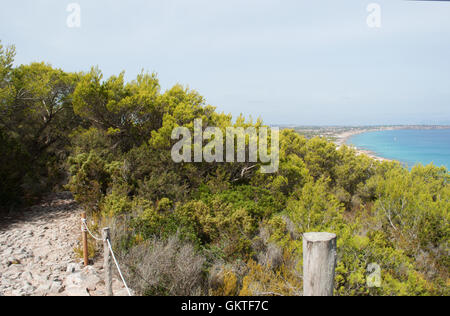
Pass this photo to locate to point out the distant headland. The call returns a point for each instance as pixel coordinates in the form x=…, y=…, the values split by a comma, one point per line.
x=341, y=134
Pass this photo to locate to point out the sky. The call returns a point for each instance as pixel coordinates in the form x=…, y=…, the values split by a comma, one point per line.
x=293, y=62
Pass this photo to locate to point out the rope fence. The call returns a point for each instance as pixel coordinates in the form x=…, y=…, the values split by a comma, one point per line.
x=85, y=228
x=118, y=268
x=319, y=261
x=108, y=253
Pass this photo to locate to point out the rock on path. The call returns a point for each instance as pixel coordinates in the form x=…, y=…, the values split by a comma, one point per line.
x=37, y=253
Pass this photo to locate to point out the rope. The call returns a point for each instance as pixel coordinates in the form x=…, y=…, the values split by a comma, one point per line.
x=85, y=228
x=118, y=268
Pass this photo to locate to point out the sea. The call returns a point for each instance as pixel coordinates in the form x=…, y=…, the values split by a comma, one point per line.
x=409, y=146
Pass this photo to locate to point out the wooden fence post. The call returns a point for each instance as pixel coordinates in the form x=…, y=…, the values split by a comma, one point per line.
x=85, y=241
x=319, y=263
x=107, y=263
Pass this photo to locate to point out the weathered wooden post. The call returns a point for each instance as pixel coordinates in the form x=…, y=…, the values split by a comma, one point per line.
x=85, y=241
x=319, y=263
x=107, y=263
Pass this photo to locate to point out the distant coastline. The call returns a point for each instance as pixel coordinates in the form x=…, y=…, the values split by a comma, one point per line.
x=343, y=137
x=340, y=135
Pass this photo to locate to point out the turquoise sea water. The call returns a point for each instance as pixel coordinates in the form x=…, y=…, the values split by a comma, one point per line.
x=408, y=146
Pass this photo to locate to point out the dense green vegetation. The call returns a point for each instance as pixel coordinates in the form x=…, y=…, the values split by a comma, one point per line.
x=209, y=228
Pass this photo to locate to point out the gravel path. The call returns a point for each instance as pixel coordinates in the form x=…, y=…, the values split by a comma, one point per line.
x=37, y=253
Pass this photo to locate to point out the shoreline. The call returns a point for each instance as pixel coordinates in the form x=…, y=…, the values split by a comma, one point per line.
x=340, y=135
x=371, y=154
x=342, y=138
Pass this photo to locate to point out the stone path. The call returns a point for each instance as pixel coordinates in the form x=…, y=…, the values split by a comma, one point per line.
x=37, y=255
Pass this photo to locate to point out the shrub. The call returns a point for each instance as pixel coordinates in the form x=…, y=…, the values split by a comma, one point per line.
x=165, y=267
x=262, y=280
x=115, y=204
x=90, y=179
x=223, y=281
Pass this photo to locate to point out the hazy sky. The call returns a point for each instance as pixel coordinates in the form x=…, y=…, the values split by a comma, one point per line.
x=288, y=61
